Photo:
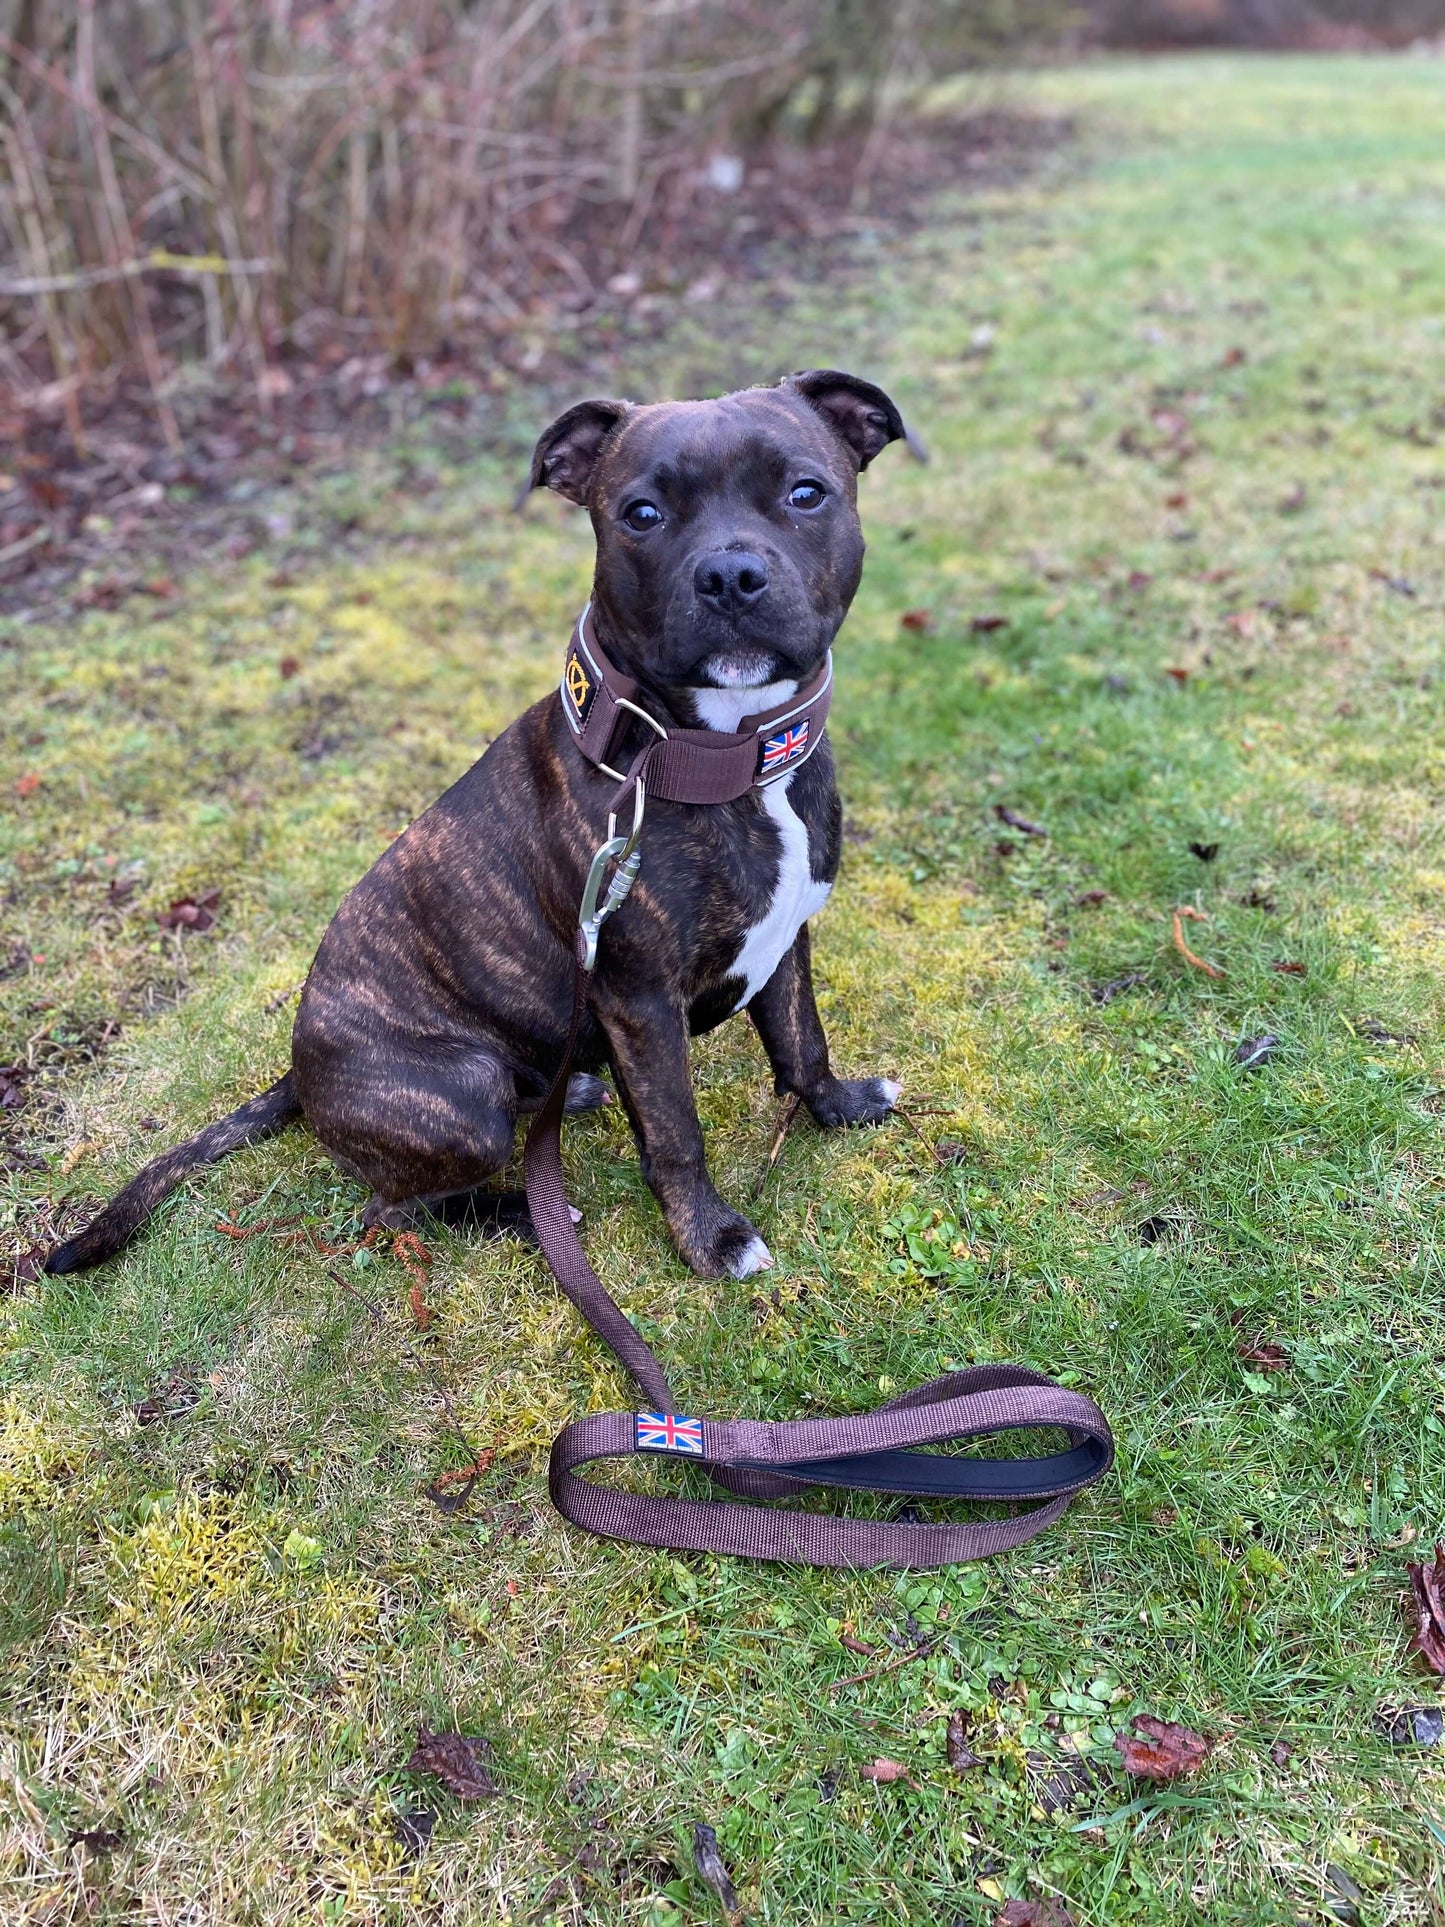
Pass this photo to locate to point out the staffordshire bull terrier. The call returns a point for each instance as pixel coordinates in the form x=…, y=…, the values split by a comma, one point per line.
x=435, y=1012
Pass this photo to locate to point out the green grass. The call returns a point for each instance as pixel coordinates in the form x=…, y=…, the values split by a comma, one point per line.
x=224, y=1628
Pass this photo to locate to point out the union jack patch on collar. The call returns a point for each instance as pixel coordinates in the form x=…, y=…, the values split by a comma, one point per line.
x=666, y=1432
x=784, y=748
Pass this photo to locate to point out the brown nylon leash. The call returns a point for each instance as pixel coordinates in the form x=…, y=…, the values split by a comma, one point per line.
x=870, y=1451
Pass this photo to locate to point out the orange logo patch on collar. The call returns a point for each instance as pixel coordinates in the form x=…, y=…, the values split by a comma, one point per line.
x=578, y=687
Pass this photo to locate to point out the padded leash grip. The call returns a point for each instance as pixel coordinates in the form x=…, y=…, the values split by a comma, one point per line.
x=867, y=1452
x=874, y=1451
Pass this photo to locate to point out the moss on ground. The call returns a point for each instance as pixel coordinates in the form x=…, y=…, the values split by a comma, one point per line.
x=1184, y=403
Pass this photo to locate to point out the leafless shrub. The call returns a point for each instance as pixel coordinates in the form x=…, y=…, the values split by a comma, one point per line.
x=197, y=179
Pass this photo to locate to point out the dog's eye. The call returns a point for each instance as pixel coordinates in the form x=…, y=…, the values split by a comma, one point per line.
x=807, y=495
x=642, y=516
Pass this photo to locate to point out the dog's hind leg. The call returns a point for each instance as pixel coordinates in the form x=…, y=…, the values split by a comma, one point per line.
x=428, y=1132
x=495, y=1214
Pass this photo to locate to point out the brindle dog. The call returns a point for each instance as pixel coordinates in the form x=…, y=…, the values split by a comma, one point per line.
x=728, y=552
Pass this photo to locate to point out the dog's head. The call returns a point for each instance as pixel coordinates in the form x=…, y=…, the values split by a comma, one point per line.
x=728, y=542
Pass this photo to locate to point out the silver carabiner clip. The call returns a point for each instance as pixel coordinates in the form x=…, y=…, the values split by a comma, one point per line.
x=624, y=851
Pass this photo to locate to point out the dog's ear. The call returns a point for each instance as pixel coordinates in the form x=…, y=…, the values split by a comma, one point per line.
x=860, y=415
x=566, y=455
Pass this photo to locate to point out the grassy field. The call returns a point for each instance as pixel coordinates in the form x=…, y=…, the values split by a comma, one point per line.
x=1185, y=403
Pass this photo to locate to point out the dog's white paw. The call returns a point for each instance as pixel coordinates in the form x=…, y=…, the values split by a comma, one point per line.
x=754, y=1256
x=890, y=1088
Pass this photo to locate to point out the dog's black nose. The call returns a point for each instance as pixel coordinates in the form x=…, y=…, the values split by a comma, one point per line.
x=731, y=578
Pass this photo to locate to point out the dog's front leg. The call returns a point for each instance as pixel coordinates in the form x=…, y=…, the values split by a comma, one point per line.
x=786, y=1015
x=648, y=1039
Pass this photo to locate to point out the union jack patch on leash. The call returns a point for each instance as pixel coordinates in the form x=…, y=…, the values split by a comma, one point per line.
x=786, y=747
x=666, y=1432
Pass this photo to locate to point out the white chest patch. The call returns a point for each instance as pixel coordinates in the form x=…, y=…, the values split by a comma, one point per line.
x=797, y=895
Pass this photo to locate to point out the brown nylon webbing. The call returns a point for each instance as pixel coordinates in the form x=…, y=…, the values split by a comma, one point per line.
x=689, y=765
x=870, y=1450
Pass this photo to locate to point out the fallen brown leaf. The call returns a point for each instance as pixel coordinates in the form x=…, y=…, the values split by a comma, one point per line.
x=98, y=1840
x=884, y=1771
x=177, y=1396
x=1034, y=1913
x=28, y=784
x=414, y=1828
x=1089, y=898
x=917, y=621
x=191, y=913
x=1264, y=1356
x=1254, y=1051
x=1179, y=675
x=712, y=1867
x=458, y=1760
x=1017, y=822
x=1427, y=1589
x=1233, y=357
x=961, y=1755
x=28, y=1265
x=288, y=667
x=1160, y=1750
x=1116, y=986
x=985, y=625
x=12, y=1086
x=1289, y=969
x=1411, y=1725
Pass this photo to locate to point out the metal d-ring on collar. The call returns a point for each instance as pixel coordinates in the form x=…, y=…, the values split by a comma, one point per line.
x=624, y=850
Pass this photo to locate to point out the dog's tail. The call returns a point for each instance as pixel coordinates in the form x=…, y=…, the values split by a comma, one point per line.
x=128, y=1210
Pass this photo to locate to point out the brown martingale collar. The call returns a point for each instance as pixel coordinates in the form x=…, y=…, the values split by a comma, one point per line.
x=759, y=1460
x=689, y=765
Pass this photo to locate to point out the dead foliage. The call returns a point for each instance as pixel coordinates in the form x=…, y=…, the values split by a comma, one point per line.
x=1264, y=1355
x=191, y=913
x=1427, y=1601
x=1017, y=822
x=711, y=1866
x=178, y=1395
x=1255, y=1051
x=961, y=1755
x=1105, y=993
x=1160, y=1750
x=1044, y=1912
x=458, y=1760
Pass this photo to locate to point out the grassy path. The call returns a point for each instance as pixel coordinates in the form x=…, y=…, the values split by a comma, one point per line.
x=1187, y=410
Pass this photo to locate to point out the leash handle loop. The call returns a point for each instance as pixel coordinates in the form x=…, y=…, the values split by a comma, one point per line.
x=870, y=1451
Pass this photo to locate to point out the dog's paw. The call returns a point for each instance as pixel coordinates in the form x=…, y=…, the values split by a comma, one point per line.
x=728, y=1248
x=586, y=1093
x=754, y=1256
x=855, y=1100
